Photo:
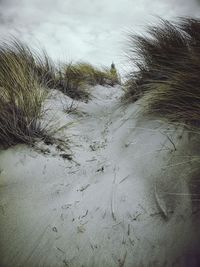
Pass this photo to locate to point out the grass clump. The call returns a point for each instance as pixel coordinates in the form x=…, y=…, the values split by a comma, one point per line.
x=75, y=79
x=21, y=96
x=46, y=71
x=73, y=82
x=107, y=76
x=168, y=67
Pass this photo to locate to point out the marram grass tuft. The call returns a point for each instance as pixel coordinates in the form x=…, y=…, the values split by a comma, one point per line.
x=168, y=70
x=76, y=78
x=22, y=94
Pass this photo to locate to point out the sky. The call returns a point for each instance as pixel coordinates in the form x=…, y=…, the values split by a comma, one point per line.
x=86, y=30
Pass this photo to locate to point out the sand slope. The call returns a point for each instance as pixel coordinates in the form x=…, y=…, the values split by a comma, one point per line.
x=124, y=199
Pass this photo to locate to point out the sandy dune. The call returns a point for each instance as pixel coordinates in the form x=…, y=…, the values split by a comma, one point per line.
x=123, y=200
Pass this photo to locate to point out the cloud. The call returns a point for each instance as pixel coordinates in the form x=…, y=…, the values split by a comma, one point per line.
x=90, y=30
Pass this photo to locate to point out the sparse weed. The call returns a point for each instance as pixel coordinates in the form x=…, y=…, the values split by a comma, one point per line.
x=70, y=108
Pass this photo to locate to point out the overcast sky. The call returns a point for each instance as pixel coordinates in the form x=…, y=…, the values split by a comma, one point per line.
x=90, y=30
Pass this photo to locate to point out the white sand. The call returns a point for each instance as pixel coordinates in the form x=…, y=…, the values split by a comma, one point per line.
x=111, y=205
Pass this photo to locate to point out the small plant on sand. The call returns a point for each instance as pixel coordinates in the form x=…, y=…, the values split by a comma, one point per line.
x=21, y=96
x=71, y=108
x=168, y=67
